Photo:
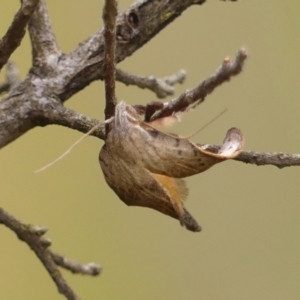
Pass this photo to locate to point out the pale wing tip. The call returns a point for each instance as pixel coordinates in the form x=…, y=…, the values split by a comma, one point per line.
x=233, y=143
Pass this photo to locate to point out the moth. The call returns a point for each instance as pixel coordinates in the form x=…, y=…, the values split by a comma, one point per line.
x=145, y=166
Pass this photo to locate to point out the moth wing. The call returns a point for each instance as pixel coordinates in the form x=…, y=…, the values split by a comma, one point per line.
x=136, y=186
x=177, y=157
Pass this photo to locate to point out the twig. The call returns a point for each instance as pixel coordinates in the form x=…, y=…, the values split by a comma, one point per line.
x=43, y=42
x=277, y=159
x=197, y=95
x=15, y=33
x=33, y=237
x=67, y=117
x=109, y=18
x=76, y=267
x=162, y=87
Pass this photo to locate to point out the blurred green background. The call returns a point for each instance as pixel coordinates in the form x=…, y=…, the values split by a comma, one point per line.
x=249, y=247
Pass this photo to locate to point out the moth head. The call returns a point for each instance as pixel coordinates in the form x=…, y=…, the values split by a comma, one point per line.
x=125, y=114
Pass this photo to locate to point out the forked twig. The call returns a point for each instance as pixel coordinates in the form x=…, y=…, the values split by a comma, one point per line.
x=197, y=95
x=74, y=266
x=33, y=236
x=162, y=87
x=15, y=33
x=42, y=38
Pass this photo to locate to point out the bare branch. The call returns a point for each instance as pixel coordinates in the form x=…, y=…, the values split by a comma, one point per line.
x=72, y=119
x=15, y=33
x=40, y=111
x=197, y=95
x=109, y=18
x=135, y=27
x=277, y=159
x=72, y=72
x=280, y=160
x=33, y=237
x=43, y=42
x=162, y=87
x=76, y=267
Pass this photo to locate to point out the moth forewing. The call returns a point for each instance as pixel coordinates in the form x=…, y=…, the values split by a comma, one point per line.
x=177, y=157
x=137, y=186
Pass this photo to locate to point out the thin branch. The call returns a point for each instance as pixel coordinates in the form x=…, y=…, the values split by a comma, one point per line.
x=42, y=38
x=162, y=87
x=109, y=18
x=15, y=33
x=277, y=159
x=33, y=237
x=197, y=95
x=69, y=118
x=75, y=267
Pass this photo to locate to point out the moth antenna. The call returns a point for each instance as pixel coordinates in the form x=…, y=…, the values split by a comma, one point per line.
x=72, y=146
x=208, y=123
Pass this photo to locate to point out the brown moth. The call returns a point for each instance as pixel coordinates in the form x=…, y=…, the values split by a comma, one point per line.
x=145, y=166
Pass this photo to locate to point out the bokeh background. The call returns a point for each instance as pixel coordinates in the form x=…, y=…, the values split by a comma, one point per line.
x=250, y=244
